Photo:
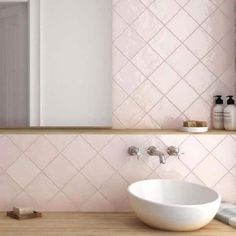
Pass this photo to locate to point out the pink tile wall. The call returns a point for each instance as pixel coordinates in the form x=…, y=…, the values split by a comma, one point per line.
x=170, y=58
x=92, y=172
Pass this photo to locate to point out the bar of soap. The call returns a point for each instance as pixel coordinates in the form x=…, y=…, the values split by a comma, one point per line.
x=195, y=123
x=23, y=210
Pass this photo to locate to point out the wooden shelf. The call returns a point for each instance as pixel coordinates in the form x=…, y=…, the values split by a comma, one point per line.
x=106, y=130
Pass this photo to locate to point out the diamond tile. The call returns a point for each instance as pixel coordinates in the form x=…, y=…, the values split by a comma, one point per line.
x=41, y=152
x=200, y=71
x=164, y=10
x=200, y=43
x=193, y=151
x=60, y=171
x=228, y=8
x=129, y=43
x=139, y=170
x=204, y=9
x=182, y=60
x=129, y=78
x=176, y=95
x=217, y=25
x=23, y=141
x=115, y=189
x=23, y=171
x=98, y=141
x=118, y=60
x=217, y=60
x=60, y=141
x=41, y=189
x=129, y=113
x=9, y=152
x=165, y=114
x=225, y=152
x=208, y=142
x=118, y=95
x=189, y=25
x=97, y=177
x=118, y=25
x=174, y=169
x=226, y=187
x=228, y=78
x=147, y=123
x=193, y=111
x=79, y=190
x=116, y=152
x=97, y=203
x=173, y=140
x=147, y=60
x=147, y=25
x=165, y=43
x=79, y=152
x=147, y=2
x=129, y=9
x=147, y=95
x=192, y=178
x=210, y=176
x=170, y=78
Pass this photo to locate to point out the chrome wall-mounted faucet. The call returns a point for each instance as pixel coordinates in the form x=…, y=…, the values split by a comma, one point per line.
x=152, y=151
x=174, y=151
x=134, y=151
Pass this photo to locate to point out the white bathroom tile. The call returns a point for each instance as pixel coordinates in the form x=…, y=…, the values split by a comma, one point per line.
x=41, y=152
x=225, y=152
x=174, y=169
x=60, y=141
x=177, y=98
x=119, y=60
x=187, y=23
x=165, y=114
x=41, y=189
x=200, y=43
x=79, y=190
x=173, y=140
x=228, y=78
x=129, y=78
x=129, y=43
x=23, y=171
x=182, y=60
x=97, y=178
x=192, y=178
x=97, y=203
x=118, y=25
x=60, y=171
x=147, y=123
x=164, y=10
x=164, y=43
x=9, y=152
x=116, y=152
x=210, y=171
x=182, y=2
x=227, y=42
x=217, y=60
x=165, y=78
x=147, y=25
x=147, y=95
x=129, y=10
x=217, y=2
x=228, y=8
x=79, y=152
x=118, y=95
x=193, y=151
x=217, y=25
x=200, y=10
x=196, y=75
x=23, y=141
x=147, y=60
x=147, y=2
x=129, y=113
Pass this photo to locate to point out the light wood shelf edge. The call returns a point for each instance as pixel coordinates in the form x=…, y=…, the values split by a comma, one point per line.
x=104, y=130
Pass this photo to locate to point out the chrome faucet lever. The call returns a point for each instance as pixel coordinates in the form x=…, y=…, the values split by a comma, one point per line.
x=134, y=151
x=174, y=151
x=152, y=151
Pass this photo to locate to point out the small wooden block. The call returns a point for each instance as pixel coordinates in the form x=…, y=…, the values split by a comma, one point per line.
x=24, y=217
x=190, y=123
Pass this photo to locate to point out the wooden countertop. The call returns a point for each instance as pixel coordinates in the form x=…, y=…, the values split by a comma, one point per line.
x=93, y=224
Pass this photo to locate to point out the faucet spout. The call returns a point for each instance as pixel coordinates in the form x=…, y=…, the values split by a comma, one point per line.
x=152, y=151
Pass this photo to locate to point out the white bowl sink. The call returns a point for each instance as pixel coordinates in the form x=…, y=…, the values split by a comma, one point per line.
x=173, y=205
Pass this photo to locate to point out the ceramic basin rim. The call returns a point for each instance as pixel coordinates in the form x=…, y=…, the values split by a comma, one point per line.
x=218, y=196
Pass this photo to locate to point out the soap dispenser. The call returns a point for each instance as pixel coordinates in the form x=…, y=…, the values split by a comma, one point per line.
x=218, y=113
x=230, y=114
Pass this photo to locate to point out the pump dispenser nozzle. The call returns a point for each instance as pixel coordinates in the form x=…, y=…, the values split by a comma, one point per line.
x=219, y=99
x=230, y=100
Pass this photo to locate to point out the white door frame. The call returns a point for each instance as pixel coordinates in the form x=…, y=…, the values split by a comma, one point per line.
x=34, y=58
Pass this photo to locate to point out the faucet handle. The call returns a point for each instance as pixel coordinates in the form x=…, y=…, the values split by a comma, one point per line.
x=134, y=151
x=174, y=151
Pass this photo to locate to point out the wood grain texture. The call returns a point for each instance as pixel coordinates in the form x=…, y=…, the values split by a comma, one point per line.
x=93, y=224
